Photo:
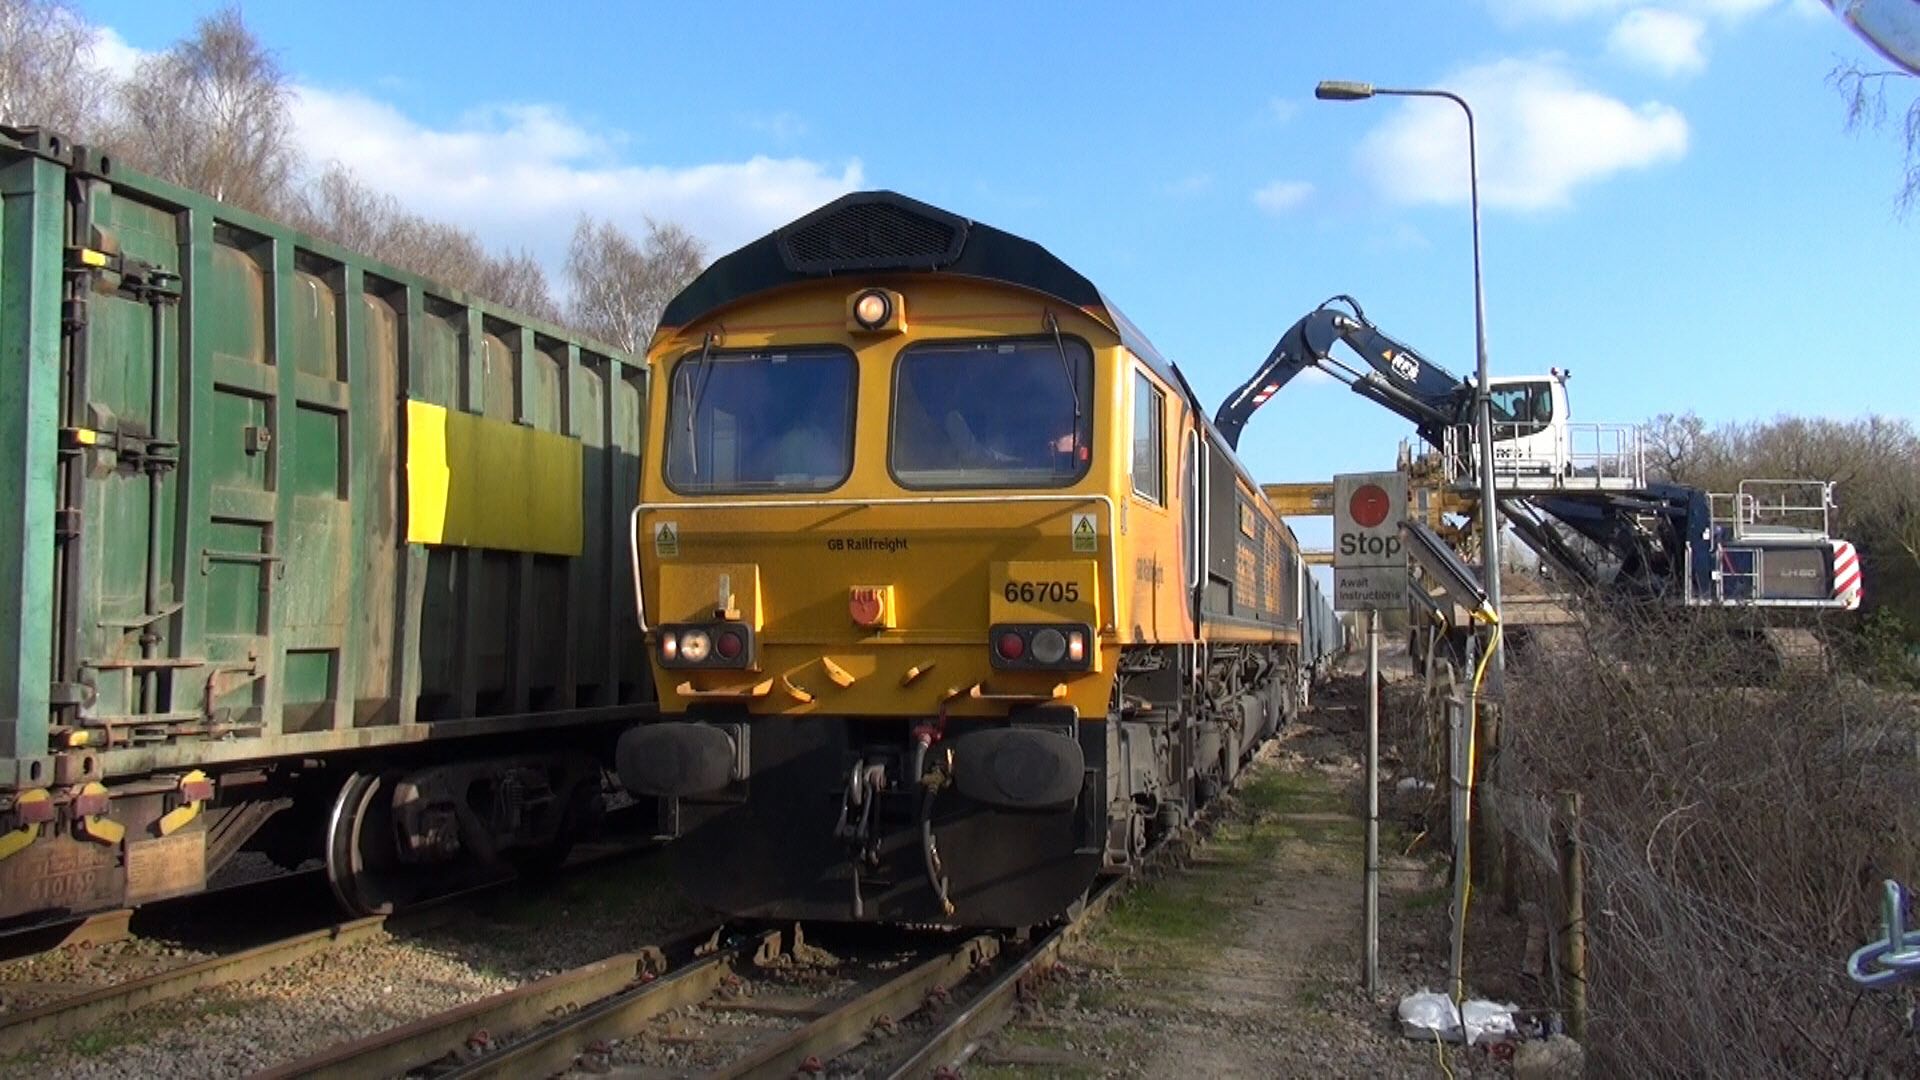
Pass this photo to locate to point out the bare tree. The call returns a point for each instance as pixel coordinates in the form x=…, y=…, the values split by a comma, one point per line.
x=1673, y=445
x=620, y=287
x=341, y=208
x=517, y=280
x=213, y=113
x=1865, y=93
x=337, y=206
x=47, y=77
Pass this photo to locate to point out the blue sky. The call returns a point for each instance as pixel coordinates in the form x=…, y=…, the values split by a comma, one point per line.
x=1674, y=210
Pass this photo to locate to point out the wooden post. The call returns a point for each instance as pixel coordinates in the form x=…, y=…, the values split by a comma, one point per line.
x=1573, y=874
x=1489, y=831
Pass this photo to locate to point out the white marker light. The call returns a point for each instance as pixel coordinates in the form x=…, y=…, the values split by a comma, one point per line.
x=1076, y=646
x=872, y=309
x=1049, y=646
x=669, y=647
x=694, y=646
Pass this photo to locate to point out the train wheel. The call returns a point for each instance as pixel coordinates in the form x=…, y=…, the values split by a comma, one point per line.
x=363, y=865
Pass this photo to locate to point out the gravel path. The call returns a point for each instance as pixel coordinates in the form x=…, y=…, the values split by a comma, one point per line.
x=1246, y=962
x=497, y=943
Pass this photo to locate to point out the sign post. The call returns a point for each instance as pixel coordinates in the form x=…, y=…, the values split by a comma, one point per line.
x=1370, y=573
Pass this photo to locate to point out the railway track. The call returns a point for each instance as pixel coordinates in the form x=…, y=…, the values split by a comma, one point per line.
x=728, y=1004
x=78, y=1012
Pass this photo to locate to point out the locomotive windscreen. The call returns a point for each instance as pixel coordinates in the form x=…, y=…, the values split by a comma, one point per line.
x=992, y=414
x=761, y=421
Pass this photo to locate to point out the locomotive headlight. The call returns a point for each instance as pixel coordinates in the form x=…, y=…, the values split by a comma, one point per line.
x=1049, y=646
x=695, y=645
x=1076, y=646
x=669, y=647
x=872, y=309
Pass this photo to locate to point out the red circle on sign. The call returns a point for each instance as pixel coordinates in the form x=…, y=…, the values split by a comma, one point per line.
x=1369, y=505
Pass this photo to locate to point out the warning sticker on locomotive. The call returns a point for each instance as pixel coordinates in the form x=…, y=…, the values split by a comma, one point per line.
x=1084, y=537
x=666, y=539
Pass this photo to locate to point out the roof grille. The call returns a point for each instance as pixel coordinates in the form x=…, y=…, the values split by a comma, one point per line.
x=872, y=231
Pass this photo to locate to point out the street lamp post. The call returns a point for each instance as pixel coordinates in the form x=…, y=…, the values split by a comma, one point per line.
x=1335, y=90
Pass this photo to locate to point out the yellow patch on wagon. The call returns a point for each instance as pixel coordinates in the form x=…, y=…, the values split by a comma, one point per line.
x=480, y=483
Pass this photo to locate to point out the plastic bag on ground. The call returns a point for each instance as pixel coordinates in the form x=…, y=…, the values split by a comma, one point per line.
x=1425, y=1014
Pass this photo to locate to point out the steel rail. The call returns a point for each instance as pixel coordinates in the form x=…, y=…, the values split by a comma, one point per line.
x=84, y=1010
x=553, y=1048
x=953, y=1042
x=843, y=1028
x=79, y=1011
x=397, y=1050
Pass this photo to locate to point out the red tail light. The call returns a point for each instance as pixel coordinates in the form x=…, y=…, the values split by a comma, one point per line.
x=1010, y=646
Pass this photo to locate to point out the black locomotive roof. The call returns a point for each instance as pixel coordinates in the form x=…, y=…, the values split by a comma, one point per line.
x=884, y=231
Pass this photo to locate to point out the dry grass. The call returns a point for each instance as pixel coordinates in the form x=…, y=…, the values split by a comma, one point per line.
x=1737, y=826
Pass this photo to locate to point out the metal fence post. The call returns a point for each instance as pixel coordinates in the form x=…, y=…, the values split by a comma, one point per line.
x=1457, y=724
x=1373, y=802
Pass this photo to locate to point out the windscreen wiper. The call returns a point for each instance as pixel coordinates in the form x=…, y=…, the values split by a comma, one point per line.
x=694, y=395
x=1073, y=384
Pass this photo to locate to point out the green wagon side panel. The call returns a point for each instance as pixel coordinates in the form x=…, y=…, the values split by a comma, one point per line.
x=31, y=208
x=239, y=586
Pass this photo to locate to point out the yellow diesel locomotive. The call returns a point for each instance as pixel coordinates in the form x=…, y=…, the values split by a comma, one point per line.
x=953, y=593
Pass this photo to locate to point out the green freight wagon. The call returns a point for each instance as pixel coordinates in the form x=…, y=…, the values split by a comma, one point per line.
x=302, y=554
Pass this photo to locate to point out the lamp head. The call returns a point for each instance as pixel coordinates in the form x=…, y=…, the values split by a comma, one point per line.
x=1341, y=90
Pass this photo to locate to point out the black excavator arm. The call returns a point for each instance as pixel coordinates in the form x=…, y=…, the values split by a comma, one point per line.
x=1402, y=380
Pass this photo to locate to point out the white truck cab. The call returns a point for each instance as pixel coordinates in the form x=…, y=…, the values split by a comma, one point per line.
x=1530, y=424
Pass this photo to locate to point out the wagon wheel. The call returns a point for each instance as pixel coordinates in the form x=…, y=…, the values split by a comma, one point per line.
x=363, y=864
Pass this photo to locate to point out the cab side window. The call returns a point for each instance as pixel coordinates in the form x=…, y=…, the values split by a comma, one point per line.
x=1149, y=445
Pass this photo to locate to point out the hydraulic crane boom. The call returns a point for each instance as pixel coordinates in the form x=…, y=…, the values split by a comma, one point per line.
x=1402, y=380
x=1641, y=539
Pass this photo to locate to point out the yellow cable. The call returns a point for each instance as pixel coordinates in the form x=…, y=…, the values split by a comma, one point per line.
x=1440, y=1051
x=1486, y=615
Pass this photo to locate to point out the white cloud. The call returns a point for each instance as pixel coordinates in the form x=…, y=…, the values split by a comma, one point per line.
x=520, y=175
x=112, y=54
x=1282, y=195
x=1541, y=135
x=1282, y=110
x=1667, y=42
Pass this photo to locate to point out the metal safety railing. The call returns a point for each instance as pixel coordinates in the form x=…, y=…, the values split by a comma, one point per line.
x=1774, y=509
x=1591, y=455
